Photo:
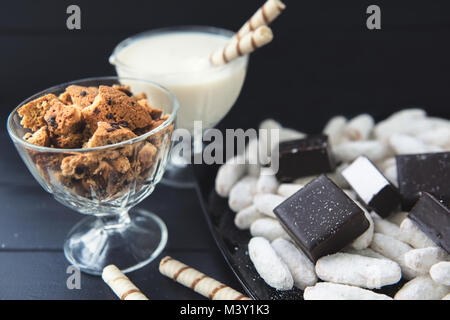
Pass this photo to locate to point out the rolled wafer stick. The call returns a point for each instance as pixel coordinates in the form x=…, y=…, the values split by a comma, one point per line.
x=121, y=285
x=239, y=47
x=268, y=12
x=198, y=281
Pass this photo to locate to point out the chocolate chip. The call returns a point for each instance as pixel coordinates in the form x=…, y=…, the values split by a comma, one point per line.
x=109, y=116
x=52, y=122
x=124, y=124
x=83, y=93
x=115, y=177
x=114, y=126
x=96, y=110
x=79, y=170
x=109, y=102
x=80, y=127
x=128, y=93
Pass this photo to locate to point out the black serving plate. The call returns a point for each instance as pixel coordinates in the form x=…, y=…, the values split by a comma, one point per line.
x=233, y=242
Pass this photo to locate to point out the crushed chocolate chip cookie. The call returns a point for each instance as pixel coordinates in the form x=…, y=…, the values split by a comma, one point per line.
x=112, y=105
x=90, y=117
x=33, y=112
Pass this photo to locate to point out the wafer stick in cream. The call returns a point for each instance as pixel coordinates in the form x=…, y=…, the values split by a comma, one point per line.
x=198, y=281
x=263, y=16
x=240, y=47
x=121, y=285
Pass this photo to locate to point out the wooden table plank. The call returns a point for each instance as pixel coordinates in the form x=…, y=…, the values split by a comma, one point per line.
x=31, y=219
x=42, y=275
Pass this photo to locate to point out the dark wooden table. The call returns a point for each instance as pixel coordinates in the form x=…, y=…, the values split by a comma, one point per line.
x=33, y=227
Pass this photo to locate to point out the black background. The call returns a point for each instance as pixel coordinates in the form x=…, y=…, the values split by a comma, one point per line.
x=323, y=61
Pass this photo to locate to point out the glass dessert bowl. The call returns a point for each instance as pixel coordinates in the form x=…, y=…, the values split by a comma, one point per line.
x=178, y=58
x=115, y=168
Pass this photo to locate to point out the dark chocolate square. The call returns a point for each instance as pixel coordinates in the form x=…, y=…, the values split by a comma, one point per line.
x=433, y=218
x=304, y=157
x=427, y=172
x=386, y=201
x=321, y=218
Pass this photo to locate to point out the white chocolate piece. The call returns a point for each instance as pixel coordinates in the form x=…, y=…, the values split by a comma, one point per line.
x=364, y=240
x=358, y=270
x=252, y=159
x=414, y=236
x=386, y=163
x=268, y=12
x=337, y=176
x=301, y=268
x=391, y=174
x=228, y=174
x=269, y=229
x=335, y=291
x=267, y=182
x=440, y=273
x=359, y=128
x=269, y=265
x=388, y=228
x=421, y=288
x=270, y=124
x=367, y=252
x=404, y=144
x=398, y=122
x=240, y=47
x=372, y=149
x=242, y=193
x=121, y=285
x=266, y=202
x=265, y=139
x=334, y=129
x=423, y=259
x=288, y=189
x=197, y=281
x=439, y=136
x=397, y=217
x=395, y=250
x=287, y=134
x=244, y=218
x=304, y=180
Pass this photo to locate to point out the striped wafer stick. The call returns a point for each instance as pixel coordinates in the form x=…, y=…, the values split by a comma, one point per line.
x=198, y=281
x=121, y=285
x=263, y=16
x=239, y=47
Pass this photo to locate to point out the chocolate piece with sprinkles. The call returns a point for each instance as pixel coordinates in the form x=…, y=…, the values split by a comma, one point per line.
x=427, y=172
x=304, y=157
x=321, y=218
x=433, y=218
